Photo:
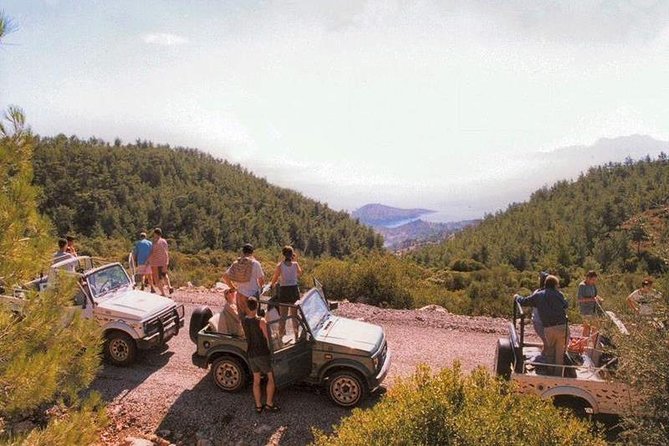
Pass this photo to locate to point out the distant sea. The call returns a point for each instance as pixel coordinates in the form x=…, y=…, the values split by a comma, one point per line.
x=434, y=217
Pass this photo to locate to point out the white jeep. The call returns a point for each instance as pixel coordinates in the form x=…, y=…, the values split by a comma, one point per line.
x=130, y=319
x=586, y=384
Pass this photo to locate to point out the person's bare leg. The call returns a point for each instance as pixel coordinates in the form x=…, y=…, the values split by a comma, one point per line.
x=241, y=305
x=271, y=388
x=257, y=393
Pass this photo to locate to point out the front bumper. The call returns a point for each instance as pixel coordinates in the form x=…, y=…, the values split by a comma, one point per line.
x=167, y=330
x=375, y=382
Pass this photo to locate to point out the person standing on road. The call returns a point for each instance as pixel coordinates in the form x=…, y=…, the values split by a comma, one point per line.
x=159, y=259
x=287, y=274
x=141, y=254
x=552, y=308
x=246, y=277
x=258, y=353
x=587, y=301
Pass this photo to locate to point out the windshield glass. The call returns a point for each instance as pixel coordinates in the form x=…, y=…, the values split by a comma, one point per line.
x=107, y=279
x=315, y=309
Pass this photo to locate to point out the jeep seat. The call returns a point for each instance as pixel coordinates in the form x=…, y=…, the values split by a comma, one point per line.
x=226, y=322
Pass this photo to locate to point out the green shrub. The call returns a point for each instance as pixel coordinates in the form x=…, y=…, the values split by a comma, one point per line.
x=451, y=408
x=466, y=265
x=644, y=365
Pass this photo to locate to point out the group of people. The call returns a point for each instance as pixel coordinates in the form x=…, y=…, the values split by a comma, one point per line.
x=244, y=281
x=152, y=259
x=549, y=316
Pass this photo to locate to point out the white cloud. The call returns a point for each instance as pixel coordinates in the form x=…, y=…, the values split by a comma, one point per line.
x=165, y=39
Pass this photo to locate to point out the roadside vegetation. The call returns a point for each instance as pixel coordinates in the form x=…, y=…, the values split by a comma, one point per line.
x=450, y=408
x=47, y=354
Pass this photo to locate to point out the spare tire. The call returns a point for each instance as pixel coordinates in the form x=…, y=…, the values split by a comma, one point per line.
x=198, y=320
x=503, y=358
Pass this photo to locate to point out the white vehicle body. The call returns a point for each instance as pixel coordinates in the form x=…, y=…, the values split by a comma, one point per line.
x=130, y=319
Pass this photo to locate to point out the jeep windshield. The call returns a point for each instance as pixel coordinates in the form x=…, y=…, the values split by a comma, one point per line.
x=107, y=279
x=315, y=309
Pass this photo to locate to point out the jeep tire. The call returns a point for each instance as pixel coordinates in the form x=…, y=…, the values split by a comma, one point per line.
x=119, y=348
x=198, y=320
x=229, y=374
x=503, y=358
x=346, y=388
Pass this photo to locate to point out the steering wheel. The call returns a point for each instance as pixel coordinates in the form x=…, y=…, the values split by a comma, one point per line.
x=106, y=286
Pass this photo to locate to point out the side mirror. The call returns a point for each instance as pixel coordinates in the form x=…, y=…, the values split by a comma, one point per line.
x=333, y=305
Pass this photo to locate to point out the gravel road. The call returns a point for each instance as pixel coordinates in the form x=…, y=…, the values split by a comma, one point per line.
x=166, y=399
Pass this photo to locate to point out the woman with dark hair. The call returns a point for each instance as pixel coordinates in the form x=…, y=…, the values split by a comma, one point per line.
x=287, y=274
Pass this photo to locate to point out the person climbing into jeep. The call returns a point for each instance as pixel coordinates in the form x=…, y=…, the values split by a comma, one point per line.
x=245, y=276
x=259, y=356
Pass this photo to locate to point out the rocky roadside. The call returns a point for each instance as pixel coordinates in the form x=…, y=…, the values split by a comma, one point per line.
x=165, y=400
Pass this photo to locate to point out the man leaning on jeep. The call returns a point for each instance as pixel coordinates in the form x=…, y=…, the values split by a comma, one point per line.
x=552, y=308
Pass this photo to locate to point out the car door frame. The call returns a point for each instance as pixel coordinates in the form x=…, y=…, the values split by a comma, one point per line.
x=293, y=363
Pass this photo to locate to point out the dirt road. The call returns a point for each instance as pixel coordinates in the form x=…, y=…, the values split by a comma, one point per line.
x=166, y=399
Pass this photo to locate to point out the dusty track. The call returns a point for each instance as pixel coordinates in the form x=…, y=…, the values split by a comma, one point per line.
x=165, y=396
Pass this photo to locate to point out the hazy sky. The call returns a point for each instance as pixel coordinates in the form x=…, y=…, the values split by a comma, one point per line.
x=409, y=103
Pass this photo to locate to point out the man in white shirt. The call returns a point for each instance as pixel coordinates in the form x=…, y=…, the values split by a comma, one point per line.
x=247, y=288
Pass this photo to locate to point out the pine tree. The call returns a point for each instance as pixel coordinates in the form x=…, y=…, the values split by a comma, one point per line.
x=47, y=354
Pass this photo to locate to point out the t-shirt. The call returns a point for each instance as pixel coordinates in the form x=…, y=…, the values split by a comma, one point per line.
x=142, y=251
x=551, y=305
x=251, y=288
x=256, y=344
x=59, y=256
x=159, y=254
x=288, y=276
x=645, y=301
x=586, y=293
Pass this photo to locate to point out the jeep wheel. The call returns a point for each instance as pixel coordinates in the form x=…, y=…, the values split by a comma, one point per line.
x=228, y=374
x=120, y=349
x=346, y=388
x=503, y=358
x=198, y=320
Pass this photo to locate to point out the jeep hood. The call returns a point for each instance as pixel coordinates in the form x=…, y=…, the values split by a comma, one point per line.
x=132, y=304
x=346, y=334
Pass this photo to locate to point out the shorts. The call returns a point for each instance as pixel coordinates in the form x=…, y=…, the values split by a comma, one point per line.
x=144, y=270
x=587, y=309
x=260, y=364
x=289, y=294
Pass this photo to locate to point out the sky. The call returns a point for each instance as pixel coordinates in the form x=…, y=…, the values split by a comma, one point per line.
x=432, y=104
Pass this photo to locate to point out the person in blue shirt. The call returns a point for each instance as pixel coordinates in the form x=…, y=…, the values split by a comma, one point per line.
x=552, y=308
x=140, y=255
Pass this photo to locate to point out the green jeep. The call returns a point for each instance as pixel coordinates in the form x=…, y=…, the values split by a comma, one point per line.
x=309, y=345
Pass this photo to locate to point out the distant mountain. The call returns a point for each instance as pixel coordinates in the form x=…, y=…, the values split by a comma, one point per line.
x=420, y=232
x=386, y=216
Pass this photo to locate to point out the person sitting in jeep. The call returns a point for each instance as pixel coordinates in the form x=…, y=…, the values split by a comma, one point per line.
x=259, y=355
x=552, y=308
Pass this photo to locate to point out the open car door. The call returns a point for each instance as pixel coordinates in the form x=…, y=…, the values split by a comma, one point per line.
x=290, y=345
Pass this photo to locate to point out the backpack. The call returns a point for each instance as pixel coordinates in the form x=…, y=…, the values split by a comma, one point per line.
x=240, y=270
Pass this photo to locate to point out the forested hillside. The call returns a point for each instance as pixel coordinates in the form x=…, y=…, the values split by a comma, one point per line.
x=94, y=188
x=612, y=218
